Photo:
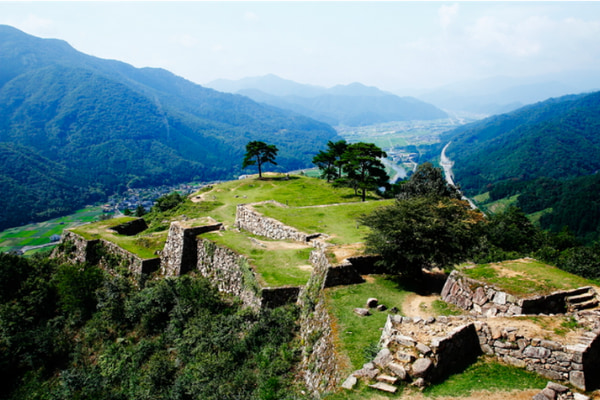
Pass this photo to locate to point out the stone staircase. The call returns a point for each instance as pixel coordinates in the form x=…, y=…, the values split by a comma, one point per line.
x=582, y=299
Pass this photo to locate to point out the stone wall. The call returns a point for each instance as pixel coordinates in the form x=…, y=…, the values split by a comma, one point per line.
x=229, y=272
x=247, y=218
x=179, y=254
x=319, y=365
x=75, y=248
x=450, y=343
x=482, y=299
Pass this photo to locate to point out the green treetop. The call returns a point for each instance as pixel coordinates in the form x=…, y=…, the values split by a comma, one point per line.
x=258, y=153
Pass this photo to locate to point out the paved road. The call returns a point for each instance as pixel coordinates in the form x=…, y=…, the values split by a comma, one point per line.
x=447, y=165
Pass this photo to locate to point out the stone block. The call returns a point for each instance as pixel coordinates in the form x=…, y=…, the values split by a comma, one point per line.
x=421, y=368
x=557, y=387
x=363, y=312
x=423, y=349
x=404, y=357
x=350, y=382
x=579, y=396
x=549, y=393
x=499, y=298
x=397, y=369
x=387, y=379
x=537, y=352
x=383, y=358
x=384, y=387
x=540, y=396
x=515, y=362
x=577, y=379
x=550, y=344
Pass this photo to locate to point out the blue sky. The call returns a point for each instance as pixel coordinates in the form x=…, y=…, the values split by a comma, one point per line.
x=392, y=45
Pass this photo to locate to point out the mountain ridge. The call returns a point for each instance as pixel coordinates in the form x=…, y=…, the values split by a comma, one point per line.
x=114, y=126
x=354, y=104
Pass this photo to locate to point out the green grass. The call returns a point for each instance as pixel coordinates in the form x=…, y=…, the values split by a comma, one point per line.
x=144, y=245
x=482, y=198
x=442, y=308
x=298, y=191
x=357, y=333
x=486, y=375
x=526, y=277
x=501, y=205
x=338, y=221
x=40, y=233
x=275, y=267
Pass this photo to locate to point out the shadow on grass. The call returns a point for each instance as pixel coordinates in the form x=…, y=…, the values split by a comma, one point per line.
x=427, y=284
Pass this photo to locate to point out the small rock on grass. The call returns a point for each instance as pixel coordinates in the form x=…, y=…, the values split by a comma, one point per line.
x=384, y=387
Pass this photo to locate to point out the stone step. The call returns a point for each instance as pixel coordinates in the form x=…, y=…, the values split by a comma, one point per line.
x=587, y=304
x=384, y=387
x=581, y=290
x=581, y=298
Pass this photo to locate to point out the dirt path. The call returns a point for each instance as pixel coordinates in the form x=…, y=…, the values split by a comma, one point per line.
x=481, y=395
x=415, y=305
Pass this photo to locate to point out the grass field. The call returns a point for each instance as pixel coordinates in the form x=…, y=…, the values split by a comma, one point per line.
x=357, y=334
x=40, y=233
x=276, y=263
x=144, y=245
x=526, y=277
x=338, y=221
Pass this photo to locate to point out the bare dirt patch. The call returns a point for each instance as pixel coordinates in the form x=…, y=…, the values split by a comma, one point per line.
x=349, y=250
x=415, y=305
x=282, y=245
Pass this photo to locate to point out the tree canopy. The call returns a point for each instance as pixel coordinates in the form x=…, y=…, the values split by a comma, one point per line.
x=258, y=153
x=422, y=232
x=330, y=161
x=427, y=180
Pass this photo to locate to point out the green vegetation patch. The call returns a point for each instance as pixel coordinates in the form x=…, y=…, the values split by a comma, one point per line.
x=486, y=375
x=40, y=233
x=276, y=263
x=525, y=277
x=338, y=221
x=359, y=335
x=144, y=244
x=297, y=191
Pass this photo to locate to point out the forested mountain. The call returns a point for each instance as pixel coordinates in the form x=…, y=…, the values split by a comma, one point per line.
x=98, y=126
x=352, y=105
x=537, y=151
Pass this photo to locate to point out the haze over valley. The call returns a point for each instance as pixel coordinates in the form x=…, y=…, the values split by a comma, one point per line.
x=299, y=200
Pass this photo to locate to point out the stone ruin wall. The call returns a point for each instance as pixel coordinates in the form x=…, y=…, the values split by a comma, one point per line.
x=75, y=248
x=447, y=342
x=319, y=365
x=248, y=219
x=482, y=299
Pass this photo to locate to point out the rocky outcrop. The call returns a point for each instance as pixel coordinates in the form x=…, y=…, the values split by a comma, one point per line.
x=482, y=299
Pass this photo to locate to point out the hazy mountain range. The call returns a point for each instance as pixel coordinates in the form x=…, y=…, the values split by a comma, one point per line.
x=75, y=128
x=351, y=105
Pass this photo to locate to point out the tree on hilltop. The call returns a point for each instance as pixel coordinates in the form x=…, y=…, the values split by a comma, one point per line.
x=258, y=153
x=363, y=167
x=330, y=161
x=427, y=180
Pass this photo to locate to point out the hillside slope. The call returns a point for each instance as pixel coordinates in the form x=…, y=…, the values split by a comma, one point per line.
x=557, y=138
x=111, y=125
x=352, y=105
x=547, y=153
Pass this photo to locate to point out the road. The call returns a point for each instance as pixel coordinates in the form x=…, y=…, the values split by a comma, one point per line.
x=447, y=165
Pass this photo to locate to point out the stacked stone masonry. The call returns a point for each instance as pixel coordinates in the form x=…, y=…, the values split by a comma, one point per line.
x=248, y=219
x=95, y=252
x=482, y=299
x=426, y=350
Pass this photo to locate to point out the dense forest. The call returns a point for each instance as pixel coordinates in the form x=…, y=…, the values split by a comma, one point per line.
x=102, y=126
x=78, y=332
x=547, y=153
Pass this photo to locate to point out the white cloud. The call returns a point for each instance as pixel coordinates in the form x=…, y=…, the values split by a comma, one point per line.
x=447, y=15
